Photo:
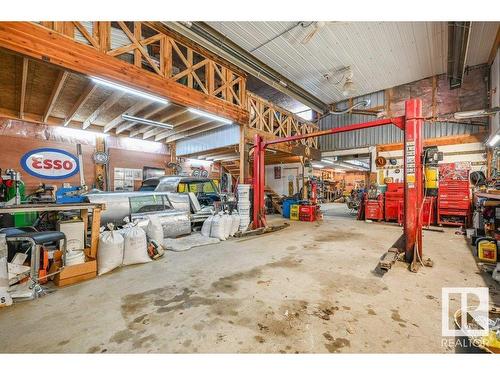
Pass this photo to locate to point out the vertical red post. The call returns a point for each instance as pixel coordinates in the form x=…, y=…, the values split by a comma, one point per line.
x=258, y=183
x=413, y=177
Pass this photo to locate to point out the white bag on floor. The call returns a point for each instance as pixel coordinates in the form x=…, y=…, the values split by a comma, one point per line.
x=228, y=225
x=5, y=298
x=154, y=229
x=135, y=246
x=235, y=222
x=207, y=226
x=110, y=251
x=496, y=273
x=217, y=230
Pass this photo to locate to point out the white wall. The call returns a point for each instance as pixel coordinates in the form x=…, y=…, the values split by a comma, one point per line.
x=280, y=186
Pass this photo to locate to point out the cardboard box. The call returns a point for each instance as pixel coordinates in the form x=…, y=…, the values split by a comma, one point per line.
x=77, y=273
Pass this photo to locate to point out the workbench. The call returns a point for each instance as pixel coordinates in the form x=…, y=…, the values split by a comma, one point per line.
x=84, y=208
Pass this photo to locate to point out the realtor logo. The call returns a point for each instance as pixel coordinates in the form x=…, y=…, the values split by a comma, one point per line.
x=474, y=305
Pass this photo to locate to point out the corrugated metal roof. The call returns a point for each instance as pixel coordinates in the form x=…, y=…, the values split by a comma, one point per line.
x=209, y=140
x=382, y=54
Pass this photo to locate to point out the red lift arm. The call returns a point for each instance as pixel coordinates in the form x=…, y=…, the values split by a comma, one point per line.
x=411, y=124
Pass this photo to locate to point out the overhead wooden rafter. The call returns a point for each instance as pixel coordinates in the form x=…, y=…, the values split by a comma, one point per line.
x=24, y=81
x=192, y=125
x=176, y=121
x=127, y=125
x=137, y=107
x=59, y=47
x=188, y=133
x=165, y=119
x=61, y=78
x=82, y=99
x=106, y=105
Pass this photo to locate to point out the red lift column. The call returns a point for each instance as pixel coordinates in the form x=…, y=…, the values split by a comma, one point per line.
x=413, y=177
x=258, y=183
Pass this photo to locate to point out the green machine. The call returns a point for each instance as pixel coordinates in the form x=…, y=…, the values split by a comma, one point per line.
x=12, y=192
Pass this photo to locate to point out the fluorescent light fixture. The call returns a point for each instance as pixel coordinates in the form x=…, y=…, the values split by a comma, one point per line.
x=208, y=115
x=317, y=166
x=135, y=92
x=493, y=141
x=327, y=161
x=77, y=133
x=145, y=121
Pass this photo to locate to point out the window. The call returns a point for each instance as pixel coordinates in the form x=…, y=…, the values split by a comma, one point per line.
x=149, y=203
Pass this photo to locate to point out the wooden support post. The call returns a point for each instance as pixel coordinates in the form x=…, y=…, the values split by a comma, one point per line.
x=94, y=232
x=100, y=171
x=24, y=80
x=243, y=150
x=138, y=36
x=173, y=158
x=104, y=31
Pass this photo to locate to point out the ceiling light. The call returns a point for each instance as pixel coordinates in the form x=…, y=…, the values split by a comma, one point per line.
x=135, y=92
x=494, y=140
x=145, y=121
x=77, y=133
x=348, y=87
x=327, y=161
x=208, y=115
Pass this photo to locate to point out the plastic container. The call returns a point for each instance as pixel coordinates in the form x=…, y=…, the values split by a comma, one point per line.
x=294, y=211
x=287, y=203
x=243, y=193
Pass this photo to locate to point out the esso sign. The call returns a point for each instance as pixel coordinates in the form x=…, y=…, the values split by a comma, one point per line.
x=50, y=163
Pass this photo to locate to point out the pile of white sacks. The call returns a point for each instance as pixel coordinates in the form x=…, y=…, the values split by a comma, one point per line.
x=221, y=225
x=127, y=246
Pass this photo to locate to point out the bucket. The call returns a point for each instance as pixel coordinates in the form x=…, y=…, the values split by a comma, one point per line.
x=243, y=192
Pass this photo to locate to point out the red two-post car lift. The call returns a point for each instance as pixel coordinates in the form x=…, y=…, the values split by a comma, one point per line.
x=411, y=124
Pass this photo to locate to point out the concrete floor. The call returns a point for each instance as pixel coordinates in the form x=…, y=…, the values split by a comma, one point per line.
x=309, y=288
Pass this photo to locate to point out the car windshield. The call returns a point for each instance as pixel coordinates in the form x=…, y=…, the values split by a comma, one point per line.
x=203, y=187
x=149, y=184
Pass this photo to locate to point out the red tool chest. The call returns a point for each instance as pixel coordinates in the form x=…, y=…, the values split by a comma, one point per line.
x=454, y=206
x=393, y=197
x=374, y=208
x=428, y=211
x=307, y=212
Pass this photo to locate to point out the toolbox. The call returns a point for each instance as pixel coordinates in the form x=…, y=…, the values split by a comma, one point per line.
x=454, y=205
x=374, y=208
x=307, y=212
x=428, y=211
x=393, y=197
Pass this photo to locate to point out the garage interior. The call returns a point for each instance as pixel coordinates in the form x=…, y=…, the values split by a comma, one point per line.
x=245, y=187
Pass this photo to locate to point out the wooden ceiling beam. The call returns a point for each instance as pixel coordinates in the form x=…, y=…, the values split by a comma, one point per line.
x=82, y=99
x=189, y=133
x=137, y=107
x=24, y=82
x=126, y=125
x=41, y=43
x=190, y=125
x=165, y=118
x=207, y=153
x=56, y=90
x=185, y=118
x=105, y=106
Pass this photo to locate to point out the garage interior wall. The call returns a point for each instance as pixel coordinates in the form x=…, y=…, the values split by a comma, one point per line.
x=439, y=102
x=19, y=137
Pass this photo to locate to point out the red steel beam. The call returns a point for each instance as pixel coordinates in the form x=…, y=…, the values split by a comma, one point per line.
x=398, y=121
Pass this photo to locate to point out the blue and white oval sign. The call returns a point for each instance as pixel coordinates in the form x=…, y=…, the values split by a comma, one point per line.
x=50, y=163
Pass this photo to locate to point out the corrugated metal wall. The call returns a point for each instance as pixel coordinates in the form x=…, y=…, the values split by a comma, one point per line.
x=220, y=137
x=379, y=135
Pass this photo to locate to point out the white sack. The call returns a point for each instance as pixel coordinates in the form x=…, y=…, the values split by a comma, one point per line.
x=217, y=230
x=228, y=225
x=135, y=246
x=207, y=226
x=154, y=229
x=235, y=222
x=110, y=251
